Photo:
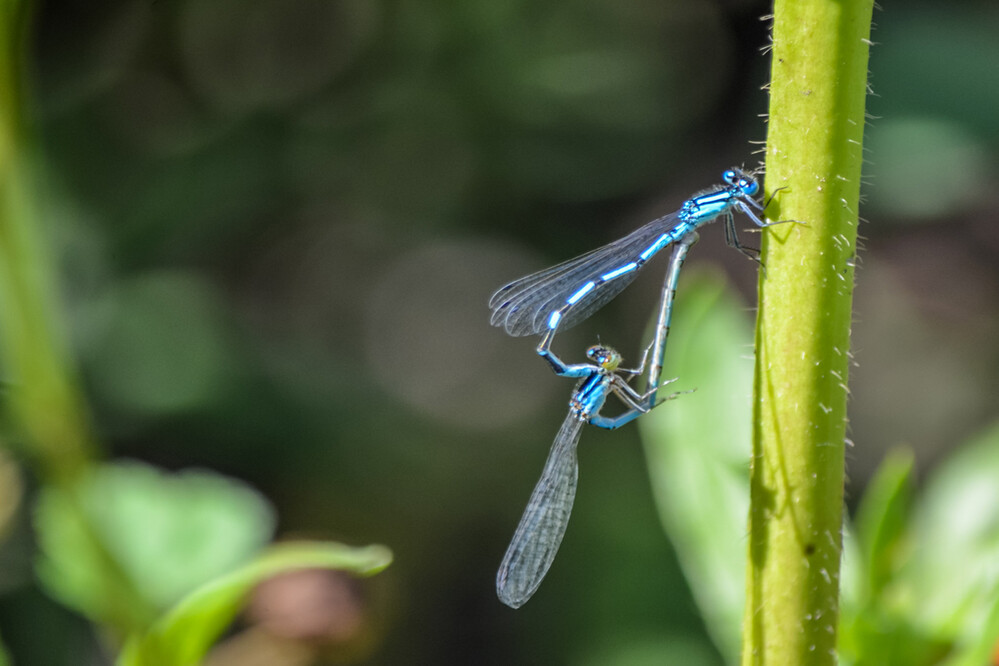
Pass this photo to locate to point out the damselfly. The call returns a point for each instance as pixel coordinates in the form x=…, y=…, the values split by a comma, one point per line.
x=566, y=294
x=543, y=524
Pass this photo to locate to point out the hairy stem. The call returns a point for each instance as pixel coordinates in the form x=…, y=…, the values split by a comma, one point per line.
x=813, y=160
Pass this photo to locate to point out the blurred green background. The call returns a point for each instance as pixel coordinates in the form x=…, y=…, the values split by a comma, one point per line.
x=277, y=224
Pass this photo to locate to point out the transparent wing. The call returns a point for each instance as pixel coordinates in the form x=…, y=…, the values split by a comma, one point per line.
x=543, y=524
x=524, y=306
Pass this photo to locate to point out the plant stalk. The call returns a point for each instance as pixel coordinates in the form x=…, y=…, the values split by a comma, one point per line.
x=41, y=395
x=813, y=165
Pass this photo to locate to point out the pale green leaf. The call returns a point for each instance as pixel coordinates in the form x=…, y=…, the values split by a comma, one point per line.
x=129, y=540
x=186, y=632
x=698, y=449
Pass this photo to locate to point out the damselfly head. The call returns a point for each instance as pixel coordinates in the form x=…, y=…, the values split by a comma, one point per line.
x=742, y=181
x=605, y=357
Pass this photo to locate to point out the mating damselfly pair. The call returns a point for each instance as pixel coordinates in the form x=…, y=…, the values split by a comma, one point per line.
x=562, y=296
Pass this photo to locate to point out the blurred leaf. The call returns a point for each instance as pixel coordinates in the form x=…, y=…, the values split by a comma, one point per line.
x=953, y=576
x=984, y=649
x=129, y=524
x=184, y=635
x=882, y=520
x=878, y=638
x=698, y=448
x=938, y=604
x=872, y=630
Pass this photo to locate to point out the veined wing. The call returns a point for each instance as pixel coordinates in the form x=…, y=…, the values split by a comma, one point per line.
x=543, y=524
x=524, y=306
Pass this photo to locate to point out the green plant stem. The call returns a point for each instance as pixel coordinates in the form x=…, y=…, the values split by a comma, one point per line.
x=818, y=89
x=41, y=395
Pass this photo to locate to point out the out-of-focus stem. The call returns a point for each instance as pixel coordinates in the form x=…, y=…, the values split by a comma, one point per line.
x=41, y=394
